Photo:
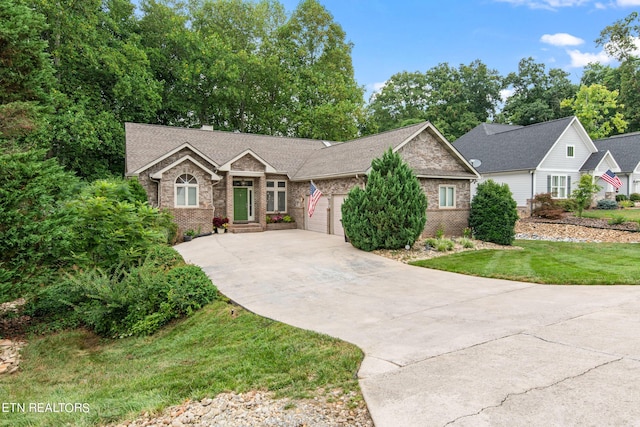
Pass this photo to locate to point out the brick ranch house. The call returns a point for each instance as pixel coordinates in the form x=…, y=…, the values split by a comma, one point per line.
x=197, y=174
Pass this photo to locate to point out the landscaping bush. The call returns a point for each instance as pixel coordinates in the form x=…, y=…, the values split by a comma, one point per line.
x=136, y=301
x=112, y=227
x=607, y=204
x=621, y=197
x=33, y=224
x=493, y=213
x=545, y=206
x=626, y=204
x=390, y=212
x=617, y=219
x=444, y=245
x=634, y=197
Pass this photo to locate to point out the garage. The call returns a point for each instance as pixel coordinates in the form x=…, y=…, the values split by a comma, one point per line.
x=319, y=222
x=336, y=215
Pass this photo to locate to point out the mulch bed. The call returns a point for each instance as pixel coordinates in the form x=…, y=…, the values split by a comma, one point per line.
x=599, y=223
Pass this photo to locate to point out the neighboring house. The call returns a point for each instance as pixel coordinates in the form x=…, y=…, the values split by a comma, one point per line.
x=626, y=150
x=545, y=157
x=198, y=174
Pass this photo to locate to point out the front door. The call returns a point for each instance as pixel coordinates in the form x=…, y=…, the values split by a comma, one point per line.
x=240, y=204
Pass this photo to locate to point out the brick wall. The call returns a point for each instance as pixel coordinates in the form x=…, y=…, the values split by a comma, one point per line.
x=452, y=221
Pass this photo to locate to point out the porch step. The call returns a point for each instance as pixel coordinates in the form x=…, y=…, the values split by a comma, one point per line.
x=245, y=228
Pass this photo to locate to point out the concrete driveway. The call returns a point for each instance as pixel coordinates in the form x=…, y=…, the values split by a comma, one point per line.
x=444, y=349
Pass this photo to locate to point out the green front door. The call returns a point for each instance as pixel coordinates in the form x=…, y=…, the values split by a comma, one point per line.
x=240, y=204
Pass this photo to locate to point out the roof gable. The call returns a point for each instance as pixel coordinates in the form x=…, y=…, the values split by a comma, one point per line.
x=625, y=149
x=158, y=174
x=228, y=165
x=514, y=148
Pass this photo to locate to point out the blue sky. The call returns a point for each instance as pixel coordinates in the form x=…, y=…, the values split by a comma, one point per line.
x=391, y=36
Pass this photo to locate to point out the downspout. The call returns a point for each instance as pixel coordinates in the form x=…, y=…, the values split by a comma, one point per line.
x=533, y=174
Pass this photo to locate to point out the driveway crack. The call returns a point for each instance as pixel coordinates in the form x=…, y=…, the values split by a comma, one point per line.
x=510, y=395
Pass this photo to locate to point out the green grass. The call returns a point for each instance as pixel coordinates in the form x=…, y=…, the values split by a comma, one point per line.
x=203, y=355
x=629, y=214
x=549, y=262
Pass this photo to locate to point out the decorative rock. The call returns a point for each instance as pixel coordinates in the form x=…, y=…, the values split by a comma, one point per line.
x=258, y=408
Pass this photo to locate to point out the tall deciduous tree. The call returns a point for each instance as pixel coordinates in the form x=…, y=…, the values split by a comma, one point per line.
x=536, y=94
x=323, y=98
x=454, y=99
x=621, y=40
x=598, y=111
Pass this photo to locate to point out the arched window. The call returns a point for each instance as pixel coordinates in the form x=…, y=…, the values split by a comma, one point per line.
x=186, y=190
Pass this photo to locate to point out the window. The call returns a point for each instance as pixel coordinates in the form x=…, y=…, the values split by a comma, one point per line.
x=447, y=196
x=571, y=151
x=276, y=196
x=558, y=186
x=186, y=191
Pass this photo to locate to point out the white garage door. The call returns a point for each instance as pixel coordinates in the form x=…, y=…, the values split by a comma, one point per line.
x=318, y=222
x=336, y=215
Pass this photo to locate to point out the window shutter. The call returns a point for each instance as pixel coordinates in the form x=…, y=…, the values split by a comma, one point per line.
x=548, y=183
x=568, y=185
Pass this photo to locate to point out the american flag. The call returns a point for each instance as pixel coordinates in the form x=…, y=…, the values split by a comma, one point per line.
x=314, y=196
x=612, y=179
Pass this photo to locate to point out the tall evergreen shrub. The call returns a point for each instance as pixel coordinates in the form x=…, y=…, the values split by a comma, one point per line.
x=494, y=213
x=390, y=212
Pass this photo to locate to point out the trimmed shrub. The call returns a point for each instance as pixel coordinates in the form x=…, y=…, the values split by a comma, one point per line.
x=626, y=204
x=546, y=206
x=607, y=204
x=634, y=197
x=493, y=213
x=390, y=212
x=621, y=197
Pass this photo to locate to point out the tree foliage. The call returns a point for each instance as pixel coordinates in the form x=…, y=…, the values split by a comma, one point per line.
x=583, y=195
x=536, y=94
x=454, y=99
x=390, y=212
x=597, y=109
x=493, y=213
x=33, y=222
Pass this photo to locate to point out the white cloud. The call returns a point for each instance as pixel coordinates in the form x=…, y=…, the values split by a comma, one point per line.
x=582, y=59
x=377, y=87
x=561, y=39
x=628, y=3
x=548, y=4
x=506, y=93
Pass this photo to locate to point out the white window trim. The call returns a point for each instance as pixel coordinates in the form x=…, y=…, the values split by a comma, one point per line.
x=275, y=189
x=186, y=186
x=573, y=151
x=565, y=186
x=440, y=187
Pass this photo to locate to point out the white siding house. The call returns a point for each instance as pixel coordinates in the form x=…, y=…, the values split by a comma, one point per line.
x=545, y=157
x=626, y=151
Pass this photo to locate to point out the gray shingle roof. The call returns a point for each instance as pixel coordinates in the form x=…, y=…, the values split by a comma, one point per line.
x=354, y=156
x=301, y=159
x=147, y=143
x=593, y=161
x=624, y=148
x=503, y=148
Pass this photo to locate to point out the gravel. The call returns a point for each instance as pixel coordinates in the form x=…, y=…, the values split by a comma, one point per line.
x=256, y=408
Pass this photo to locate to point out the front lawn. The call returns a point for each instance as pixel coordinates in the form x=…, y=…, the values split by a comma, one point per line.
x=628, y=214
x=213, y=351
x=549, y=262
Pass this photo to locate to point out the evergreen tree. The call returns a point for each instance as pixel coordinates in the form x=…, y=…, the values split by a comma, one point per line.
x=390, y=212
x=493, y=213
